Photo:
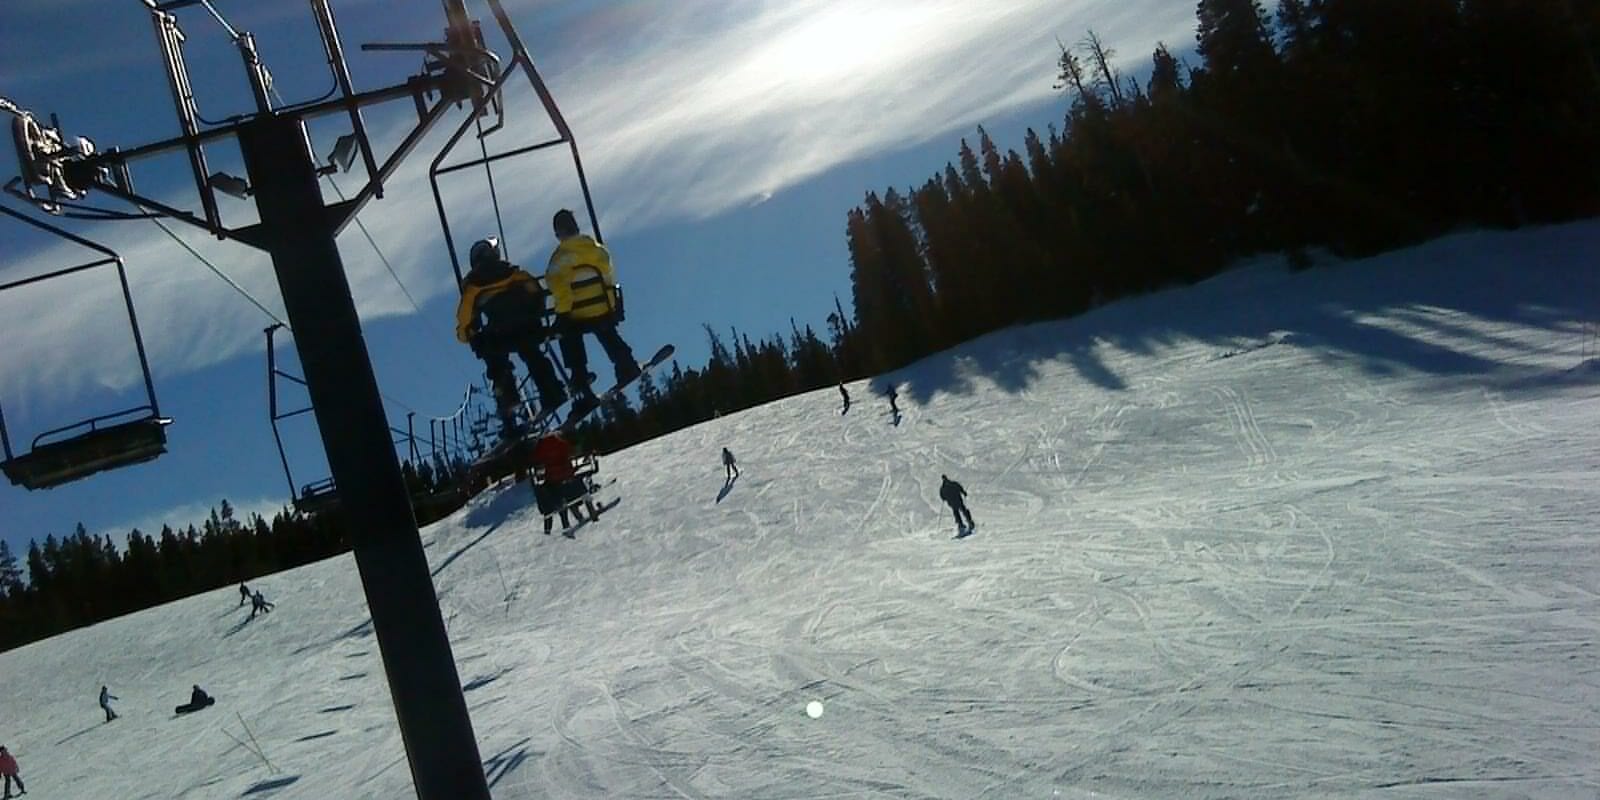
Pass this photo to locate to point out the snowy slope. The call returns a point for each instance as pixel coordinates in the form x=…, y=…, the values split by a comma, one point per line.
x=1326, y=534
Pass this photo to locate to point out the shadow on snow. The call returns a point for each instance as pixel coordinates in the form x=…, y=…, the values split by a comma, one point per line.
x=1321, y=310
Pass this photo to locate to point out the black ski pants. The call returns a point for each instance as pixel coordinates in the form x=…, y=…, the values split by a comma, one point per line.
x=496, y=350
x=959, y=508
x=577, y=358
x=20, y=787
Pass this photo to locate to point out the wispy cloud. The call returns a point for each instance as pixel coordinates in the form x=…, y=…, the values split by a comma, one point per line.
x=694, y=109
x=195, y=514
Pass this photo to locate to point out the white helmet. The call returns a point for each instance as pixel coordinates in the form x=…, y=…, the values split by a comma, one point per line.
x=484, y=252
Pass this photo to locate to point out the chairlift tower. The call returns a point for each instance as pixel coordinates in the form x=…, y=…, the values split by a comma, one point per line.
x=297, y=229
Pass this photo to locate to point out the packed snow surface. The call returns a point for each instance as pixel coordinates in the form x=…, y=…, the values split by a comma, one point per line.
x=1318, y=534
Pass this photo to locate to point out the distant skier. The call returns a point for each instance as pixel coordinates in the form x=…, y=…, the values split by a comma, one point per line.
x=511, y=304
x=583, y=286
x=846, y=395
x=894, y=396
x=198, y=699
x=730, y=464
x=8, y=768
x=559, y=489
x=105, y=703
x=259, y=604
x=955, y=494
x=244, y=594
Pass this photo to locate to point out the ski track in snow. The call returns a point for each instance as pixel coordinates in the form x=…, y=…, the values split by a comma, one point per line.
x=1262, y=566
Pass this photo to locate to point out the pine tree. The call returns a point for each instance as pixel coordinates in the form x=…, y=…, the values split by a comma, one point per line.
x=11, y=584
x=1233, y=38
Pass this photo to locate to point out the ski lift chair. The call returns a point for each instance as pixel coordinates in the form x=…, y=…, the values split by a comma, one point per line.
x=72, y=452
x=317, y=497
x=50, y=464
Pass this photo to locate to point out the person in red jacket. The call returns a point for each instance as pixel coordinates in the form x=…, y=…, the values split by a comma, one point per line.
x=558, y=487
x=8, y=768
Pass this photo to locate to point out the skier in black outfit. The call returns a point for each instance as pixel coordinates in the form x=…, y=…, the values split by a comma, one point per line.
x=846, y=396
x=954, y=494
x=729, y=464
x=893, y=396
x=244, y=594
x=259, y=604
x=512, y=304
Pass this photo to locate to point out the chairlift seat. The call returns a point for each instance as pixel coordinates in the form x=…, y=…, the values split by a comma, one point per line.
x=55, y=463
x=317, y=498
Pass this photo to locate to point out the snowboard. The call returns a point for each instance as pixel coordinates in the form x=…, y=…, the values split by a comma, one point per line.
x=578, y=411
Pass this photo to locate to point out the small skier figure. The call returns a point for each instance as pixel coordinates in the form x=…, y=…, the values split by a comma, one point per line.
x=889, y=392
x=105, y=703
x=8, y=768
x=259, y=604
x=512, y=304
x=954, y=494
x=583, y=287
x=559, y=489
x=244, y=594
x=846, y=395
x=729, y=464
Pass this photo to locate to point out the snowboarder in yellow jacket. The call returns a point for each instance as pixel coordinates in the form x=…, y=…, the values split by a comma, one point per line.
x=583, y=288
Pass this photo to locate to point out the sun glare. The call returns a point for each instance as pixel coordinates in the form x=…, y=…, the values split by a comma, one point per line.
x=835, y=43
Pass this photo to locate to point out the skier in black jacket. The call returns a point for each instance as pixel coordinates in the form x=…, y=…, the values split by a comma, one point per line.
x=955, y=494
x=511, y=305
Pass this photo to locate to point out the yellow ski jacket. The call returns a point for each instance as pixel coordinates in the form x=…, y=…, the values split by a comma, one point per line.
x=581, y=279
x=479, y=292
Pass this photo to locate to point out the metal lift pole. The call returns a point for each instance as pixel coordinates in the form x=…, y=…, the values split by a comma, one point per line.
x=423, y=682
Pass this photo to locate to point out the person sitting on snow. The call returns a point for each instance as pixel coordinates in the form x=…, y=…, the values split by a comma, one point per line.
x=583, y=286
x=511, y=304
x=198, y=699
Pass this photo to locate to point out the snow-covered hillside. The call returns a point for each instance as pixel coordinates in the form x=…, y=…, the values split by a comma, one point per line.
x=1326, y=534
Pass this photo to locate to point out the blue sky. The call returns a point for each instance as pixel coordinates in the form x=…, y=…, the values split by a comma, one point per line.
x=724, y=142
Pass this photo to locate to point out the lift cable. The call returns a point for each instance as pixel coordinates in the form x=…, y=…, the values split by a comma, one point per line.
x=232, y=33
x=215, y=271
x=381, y=257
x=494, y=196
x=241, y=290
x=362, y=226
